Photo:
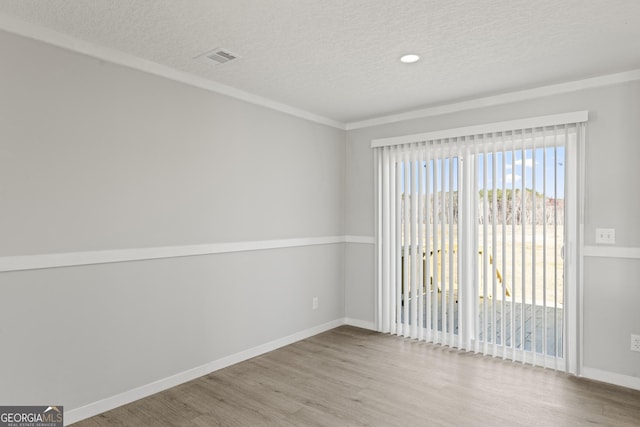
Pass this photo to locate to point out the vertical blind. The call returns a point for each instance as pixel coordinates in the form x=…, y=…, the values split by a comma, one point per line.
x=471, y=229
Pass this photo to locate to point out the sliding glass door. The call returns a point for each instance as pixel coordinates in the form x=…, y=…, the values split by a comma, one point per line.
x=472, y=237
x=519, y=219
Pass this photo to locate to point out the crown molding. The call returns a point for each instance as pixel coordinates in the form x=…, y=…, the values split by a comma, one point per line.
x=35, y=32
x=504, y=98
x=15, y=26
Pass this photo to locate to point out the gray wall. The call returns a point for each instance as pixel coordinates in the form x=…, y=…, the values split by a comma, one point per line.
x=611, y=286
x=95, y=156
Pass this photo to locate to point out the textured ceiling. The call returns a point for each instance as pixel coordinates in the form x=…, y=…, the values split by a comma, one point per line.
x=339, y=58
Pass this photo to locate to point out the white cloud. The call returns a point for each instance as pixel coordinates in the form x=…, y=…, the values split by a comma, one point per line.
x=510, y=177
x=528, y=163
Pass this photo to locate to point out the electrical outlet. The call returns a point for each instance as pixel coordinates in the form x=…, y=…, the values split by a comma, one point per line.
x=635, y=342
x=606, y=235
x=314, y=303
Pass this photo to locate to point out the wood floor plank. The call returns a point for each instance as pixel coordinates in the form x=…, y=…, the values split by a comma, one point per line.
x=354, y=377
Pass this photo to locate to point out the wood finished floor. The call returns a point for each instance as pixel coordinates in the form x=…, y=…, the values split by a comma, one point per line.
x=354, y=377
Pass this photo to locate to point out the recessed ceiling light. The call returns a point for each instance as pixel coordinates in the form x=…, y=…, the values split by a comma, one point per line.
x=410, y=58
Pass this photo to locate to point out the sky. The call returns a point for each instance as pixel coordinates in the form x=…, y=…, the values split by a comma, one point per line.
x=520, y=167
x=518, y=171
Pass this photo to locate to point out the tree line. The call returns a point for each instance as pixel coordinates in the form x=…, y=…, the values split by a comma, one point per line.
x=511, y=206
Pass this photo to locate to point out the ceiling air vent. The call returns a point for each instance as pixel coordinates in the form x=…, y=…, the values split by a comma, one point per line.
x=217, y=56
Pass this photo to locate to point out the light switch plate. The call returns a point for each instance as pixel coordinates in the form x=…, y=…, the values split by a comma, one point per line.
x=606, y=235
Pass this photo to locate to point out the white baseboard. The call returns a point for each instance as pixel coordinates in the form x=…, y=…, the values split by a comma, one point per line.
x=95, y=408
x=611, y=377
x=360, y=323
